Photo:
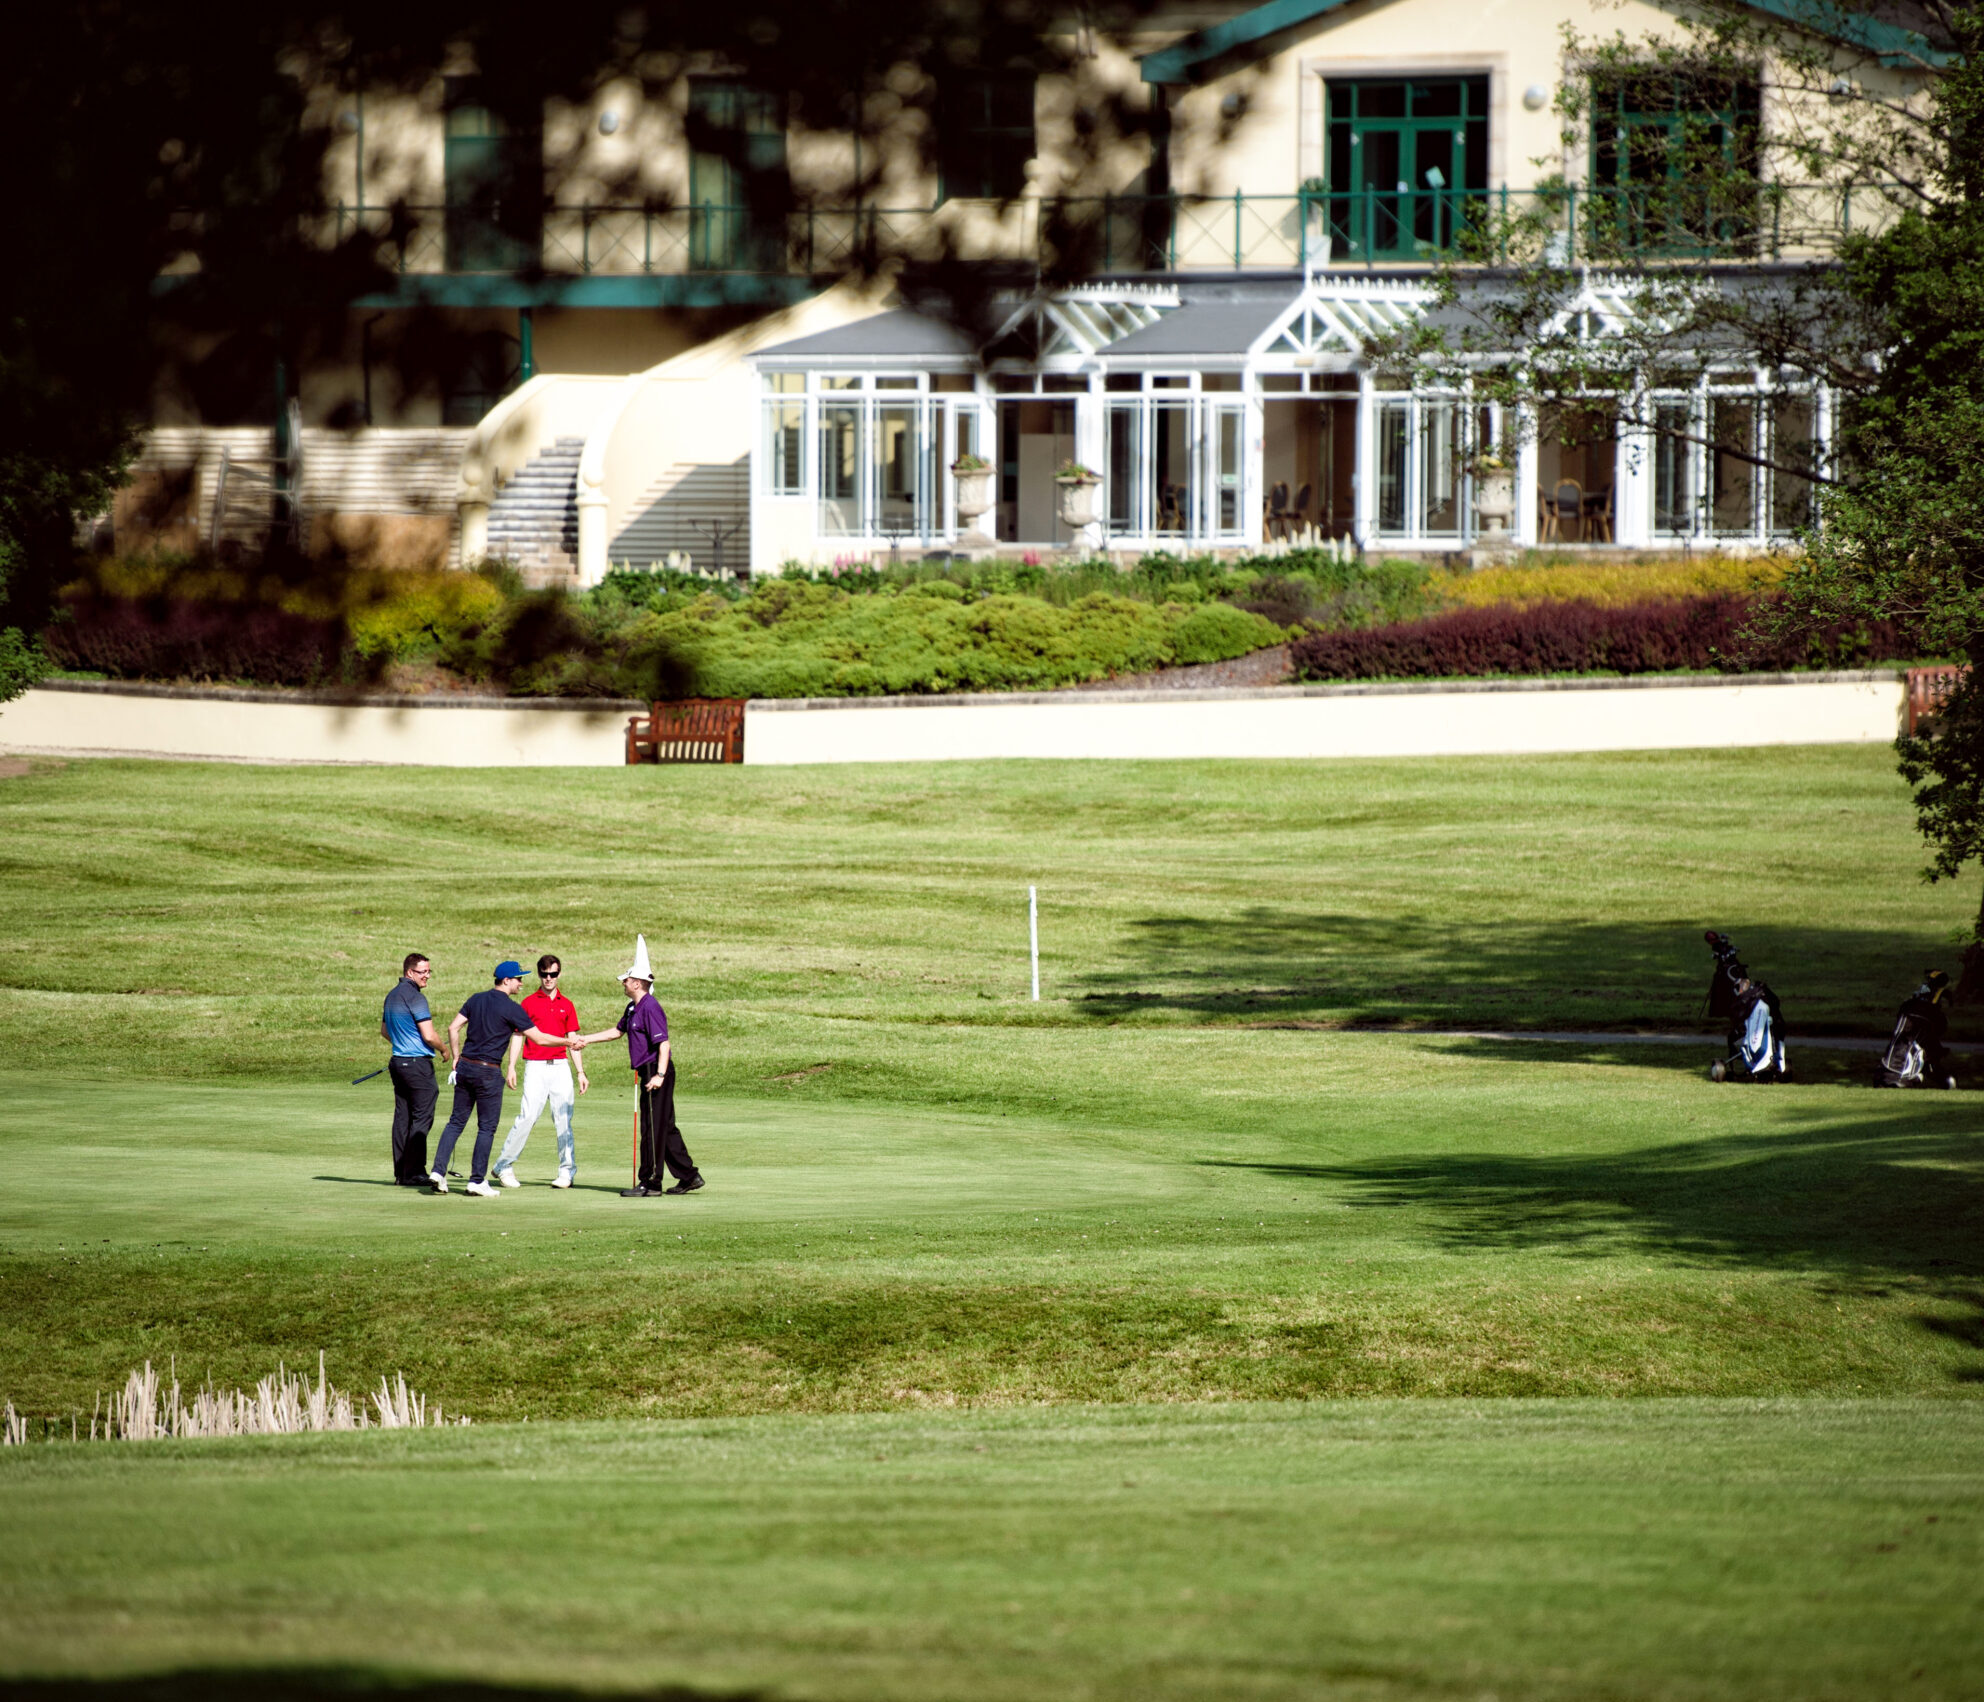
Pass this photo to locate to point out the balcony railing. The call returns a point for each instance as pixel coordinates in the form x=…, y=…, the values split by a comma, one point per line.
x=1334, y=229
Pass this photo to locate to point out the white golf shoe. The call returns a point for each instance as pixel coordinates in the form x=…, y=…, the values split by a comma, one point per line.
x=439, y=1180
x=508, y=1178
x=563, y=1179
x=483, y=1191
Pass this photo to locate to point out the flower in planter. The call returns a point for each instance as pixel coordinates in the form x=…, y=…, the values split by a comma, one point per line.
x=1074, y=473
x=969, y=463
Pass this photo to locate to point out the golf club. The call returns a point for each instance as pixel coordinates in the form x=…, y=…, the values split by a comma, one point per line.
x=357, y=1079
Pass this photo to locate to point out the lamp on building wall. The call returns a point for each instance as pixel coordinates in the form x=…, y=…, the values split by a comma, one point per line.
x=1535, y=96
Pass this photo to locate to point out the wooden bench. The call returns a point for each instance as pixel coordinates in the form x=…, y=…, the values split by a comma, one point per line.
x=697, y=729
x=1927, y=688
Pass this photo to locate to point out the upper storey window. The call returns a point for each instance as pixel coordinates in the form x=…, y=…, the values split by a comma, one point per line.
x=1674, y=161
x=1404, y=155
x=985, y=134
x=494, y=186
x=738, y=185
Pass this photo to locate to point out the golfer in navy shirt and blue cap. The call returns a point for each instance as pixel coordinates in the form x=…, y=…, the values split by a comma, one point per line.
x=490, y=1019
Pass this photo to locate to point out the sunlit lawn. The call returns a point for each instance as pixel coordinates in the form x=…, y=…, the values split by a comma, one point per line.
x=944, y=1218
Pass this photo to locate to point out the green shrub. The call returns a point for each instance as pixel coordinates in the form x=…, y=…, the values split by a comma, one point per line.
x=410, y=614
x=795, y=638
x=23, y=663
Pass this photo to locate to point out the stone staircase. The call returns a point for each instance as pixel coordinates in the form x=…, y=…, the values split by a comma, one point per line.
x=534, y=521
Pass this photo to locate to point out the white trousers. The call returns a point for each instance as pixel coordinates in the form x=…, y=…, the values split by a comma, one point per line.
x=547, y=1081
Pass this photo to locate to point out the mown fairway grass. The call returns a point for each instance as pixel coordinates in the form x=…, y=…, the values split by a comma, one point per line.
x=935, y=1206
x=1350, y=1550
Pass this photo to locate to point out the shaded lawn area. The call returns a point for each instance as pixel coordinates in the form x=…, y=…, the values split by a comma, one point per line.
x=1345, y=1550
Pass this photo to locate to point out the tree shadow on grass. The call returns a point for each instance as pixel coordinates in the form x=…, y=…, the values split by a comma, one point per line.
x=335, y=1684
x=1269, y=963
x=1878, y=1204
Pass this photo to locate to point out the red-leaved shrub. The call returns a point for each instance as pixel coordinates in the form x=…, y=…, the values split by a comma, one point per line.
x=1702, y=633
x=165, y=638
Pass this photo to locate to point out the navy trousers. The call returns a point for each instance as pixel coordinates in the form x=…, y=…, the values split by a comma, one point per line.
x=478, y=1088
x=414, y=1098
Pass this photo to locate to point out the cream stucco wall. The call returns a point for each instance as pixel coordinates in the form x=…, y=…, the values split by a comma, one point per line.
x=1332, y=722
x=1256, y=129
x=1327, y=722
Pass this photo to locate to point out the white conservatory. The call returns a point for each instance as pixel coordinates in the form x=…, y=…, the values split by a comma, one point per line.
x=1225, y=414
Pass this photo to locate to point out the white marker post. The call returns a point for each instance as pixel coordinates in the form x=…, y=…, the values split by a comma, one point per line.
x=1033, y=939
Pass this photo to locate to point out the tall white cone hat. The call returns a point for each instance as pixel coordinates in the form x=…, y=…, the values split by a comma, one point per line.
x=640, y=970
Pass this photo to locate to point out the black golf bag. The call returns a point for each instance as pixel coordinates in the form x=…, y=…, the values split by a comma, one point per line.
x=1729, y=969
x=1915, y=1056
x=1756, y=1019
x=1756, y=1038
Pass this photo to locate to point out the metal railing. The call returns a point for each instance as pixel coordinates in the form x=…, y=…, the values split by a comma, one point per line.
x=1332, y=229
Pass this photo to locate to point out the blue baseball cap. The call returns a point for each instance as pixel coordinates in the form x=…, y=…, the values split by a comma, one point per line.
x=508, y=967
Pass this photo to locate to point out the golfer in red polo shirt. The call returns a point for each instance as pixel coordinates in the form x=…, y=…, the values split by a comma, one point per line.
x=547, y=1077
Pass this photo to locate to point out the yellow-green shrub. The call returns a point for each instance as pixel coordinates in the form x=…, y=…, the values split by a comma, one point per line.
x=1614, y=584
x=393, y=614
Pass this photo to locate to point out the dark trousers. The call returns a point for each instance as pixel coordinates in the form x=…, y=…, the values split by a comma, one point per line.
x=661, y=1140
x=414, y=1097
x=478, y=1088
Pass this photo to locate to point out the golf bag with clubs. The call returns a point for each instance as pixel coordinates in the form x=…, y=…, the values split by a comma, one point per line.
x=1756, y=1019
x=1915, y=1055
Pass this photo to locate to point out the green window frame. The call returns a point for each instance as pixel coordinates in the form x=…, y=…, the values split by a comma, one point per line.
x=737, y=176
x=492, y=187
x=1674, y=162
x=985, y=135
x=1406, y=155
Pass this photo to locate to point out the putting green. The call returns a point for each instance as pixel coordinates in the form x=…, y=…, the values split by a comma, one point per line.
x=241, y=1164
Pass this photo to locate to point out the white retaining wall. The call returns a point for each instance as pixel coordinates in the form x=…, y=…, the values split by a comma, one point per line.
x=1436, y=719
x=1440, y=719
x=284, y=727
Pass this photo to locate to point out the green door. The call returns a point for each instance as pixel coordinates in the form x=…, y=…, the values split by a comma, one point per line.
x=1674, y=164
x=494, y=194
x=737, y=178
x=1404, y=156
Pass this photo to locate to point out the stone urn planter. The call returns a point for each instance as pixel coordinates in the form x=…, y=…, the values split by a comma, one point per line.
x=1495, y=501
x=1079, y=488
x=972, y=476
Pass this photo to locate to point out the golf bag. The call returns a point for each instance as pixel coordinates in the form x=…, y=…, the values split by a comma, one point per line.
x=1915, y=1055
x=1756, y=1038
x=1729, y=969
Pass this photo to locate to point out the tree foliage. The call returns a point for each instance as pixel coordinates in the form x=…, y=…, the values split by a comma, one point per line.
x=171, y=206
x=1839, y=249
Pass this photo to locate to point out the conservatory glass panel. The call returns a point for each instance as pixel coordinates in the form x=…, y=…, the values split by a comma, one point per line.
x=1172, y=493
x=1227, y=436
x=1794, y=447
x=1394, y=426
x=840, y=470
x=1673, y=481
x=900, y=476
x=1440, y=467
x=1127, y=511
x=1732, y=475
x=785, y=448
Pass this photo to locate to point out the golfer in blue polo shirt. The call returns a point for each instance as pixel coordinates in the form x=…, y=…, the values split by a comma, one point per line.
x=490, y=1019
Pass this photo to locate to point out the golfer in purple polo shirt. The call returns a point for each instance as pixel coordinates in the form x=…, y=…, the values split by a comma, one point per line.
x=645, y=1025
